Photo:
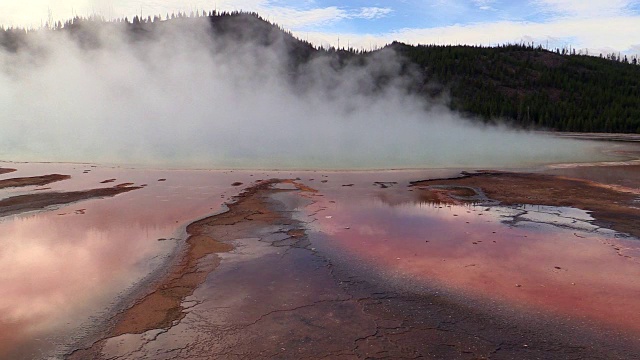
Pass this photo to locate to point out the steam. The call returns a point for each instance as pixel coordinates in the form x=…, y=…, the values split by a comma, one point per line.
x=185, y=99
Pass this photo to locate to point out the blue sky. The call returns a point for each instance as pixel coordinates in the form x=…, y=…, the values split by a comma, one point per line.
x=392, y=15
x=596, y=25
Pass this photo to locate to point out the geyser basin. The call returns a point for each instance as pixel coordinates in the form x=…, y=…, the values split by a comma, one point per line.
x=185, y=98
x=64, y=270
x=277, y=281
x=539, y=258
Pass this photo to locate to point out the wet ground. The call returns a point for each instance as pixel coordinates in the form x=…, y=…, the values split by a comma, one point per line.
x=540, y=258
x=324, y=265
x=64, y=269
x=364, y=283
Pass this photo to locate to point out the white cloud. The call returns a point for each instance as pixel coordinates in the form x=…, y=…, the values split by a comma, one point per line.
x=33, y=13
x=597, y=35
x=587, y=9
x=593, y=24
x=295, y=19
x=372, y=13
x=483, y=4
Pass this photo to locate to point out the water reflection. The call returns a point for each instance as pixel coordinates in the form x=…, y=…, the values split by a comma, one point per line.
x=536, y=256
x=61, y=267
x=57, y=270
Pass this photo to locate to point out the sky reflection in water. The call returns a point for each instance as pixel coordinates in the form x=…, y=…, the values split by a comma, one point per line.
x=537, y=257
x=58, y=268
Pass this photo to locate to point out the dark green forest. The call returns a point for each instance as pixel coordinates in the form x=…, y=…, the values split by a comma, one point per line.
x=520, y=84
x=533, y=87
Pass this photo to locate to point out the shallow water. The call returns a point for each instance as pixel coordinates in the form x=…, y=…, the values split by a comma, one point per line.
x=69, y=265
x=272, y=298
x=536, y=257
x=345, y=148
x=64, y=267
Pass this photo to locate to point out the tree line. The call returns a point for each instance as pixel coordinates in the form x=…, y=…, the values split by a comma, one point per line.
x=536, y=88
x=525, y=85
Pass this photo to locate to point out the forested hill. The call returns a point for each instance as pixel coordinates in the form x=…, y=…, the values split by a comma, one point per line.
x=533, y=87
x=524, y=85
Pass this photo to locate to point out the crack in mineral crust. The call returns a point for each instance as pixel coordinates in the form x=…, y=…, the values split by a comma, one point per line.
x=611, y=207
x=361, y=320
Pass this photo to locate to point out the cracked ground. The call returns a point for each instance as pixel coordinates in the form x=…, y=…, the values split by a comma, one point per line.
x=259, y=289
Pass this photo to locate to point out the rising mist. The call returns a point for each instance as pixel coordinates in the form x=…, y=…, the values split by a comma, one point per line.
x=184, y=97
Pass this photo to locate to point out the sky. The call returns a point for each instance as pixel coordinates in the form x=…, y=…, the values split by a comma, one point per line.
x=599, y=26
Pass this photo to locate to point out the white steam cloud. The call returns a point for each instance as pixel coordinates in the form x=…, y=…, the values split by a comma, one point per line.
x=182, y=99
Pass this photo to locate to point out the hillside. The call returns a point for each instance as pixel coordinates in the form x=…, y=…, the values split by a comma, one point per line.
x=533, y=87
x=522, y=85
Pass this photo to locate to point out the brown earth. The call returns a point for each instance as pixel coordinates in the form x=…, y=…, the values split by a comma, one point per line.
x=612, y=207
x=623, y=177
x=41, y=200
x=302, y=304
x=6, y=170
x=32, y=180
x=162, y=307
